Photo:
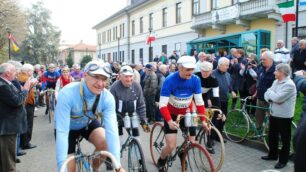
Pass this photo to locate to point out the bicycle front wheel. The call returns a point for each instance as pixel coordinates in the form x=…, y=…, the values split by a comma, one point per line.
x=196, y=158
x=157, y=141
x=216, y=149
x=136, y=160
x=236, y=127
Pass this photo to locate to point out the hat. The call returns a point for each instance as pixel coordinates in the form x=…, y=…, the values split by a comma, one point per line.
x=51, y=65
x=97, y=68
x=126, y=70
x=206, y=66
x=148, y=66
x=187, y=61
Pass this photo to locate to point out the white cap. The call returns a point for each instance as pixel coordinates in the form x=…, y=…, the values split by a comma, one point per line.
x=187, y=61
x=126, y=70
x=97, y=68
x=206, y=66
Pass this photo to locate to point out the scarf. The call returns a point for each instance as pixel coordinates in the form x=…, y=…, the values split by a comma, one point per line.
x=65, y=81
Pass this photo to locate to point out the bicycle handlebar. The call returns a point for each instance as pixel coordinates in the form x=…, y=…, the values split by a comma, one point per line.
x=115, y=163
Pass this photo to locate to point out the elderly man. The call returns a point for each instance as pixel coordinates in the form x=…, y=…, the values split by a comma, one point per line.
x=72, y=120
x=265, y=78
x=282, y=54
x=224, y=80
x=294, y=46
x=282, y=96
x=161, y=75
x=77, y=74
x=201, y=57
x=11, y=115
x=176, y=96
x=26, y=74
x=299, y=57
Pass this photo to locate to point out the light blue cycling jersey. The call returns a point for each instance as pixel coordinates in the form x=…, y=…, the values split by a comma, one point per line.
x=68, y=115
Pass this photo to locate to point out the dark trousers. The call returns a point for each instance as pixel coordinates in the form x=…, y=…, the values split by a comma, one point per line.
x=8, y=153
x=27, y=136
x=282, y=127
x=150, y=107
x=218, y=123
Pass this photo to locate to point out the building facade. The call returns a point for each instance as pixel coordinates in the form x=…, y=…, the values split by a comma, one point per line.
x=213, y=26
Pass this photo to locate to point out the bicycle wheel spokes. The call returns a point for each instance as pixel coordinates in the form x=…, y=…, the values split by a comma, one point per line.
x=197, y=159
x=216, y=149
x=136, y=161
x=236, y=126
x=157, y=141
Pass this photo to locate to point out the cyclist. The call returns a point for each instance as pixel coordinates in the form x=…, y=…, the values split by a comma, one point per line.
x=176, y=95
x=62, y=81
x=75, y=115
x=49, y=81
x=77, y=74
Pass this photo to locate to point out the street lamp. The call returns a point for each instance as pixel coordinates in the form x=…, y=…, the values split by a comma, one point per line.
x=118, y=38
x=150, y=47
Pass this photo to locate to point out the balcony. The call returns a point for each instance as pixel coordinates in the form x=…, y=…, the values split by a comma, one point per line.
x=242, y=13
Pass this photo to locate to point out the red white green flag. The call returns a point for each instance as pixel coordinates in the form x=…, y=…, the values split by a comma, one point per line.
x=287, y=10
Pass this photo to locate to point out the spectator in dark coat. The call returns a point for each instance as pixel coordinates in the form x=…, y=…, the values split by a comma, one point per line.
x=299, y=57
x=149, y=92
x=294, y=46
x=300, y=136
x=11, y=116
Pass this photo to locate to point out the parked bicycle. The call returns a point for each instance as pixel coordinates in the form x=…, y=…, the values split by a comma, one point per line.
x=194, y=156
x=136, y=160
x=90, y=163
x=213, y=141
x=239, y=122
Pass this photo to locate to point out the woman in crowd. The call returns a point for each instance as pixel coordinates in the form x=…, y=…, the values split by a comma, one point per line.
x=65, y=79
x=282, y=98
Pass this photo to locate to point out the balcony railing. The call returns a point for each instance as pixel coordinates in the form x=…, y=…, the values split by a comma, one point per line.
x=252, y=7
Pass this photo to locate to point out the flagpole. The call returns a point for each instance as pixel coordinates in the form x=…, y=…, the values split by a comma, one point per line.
x=150, y=47
x=9, y=46
x=297, y=19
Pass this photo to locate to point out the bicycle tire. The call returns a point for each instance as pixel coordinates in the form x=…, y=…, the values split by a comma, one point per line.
x=236, y=127
x=157, y=141
x=266, y=138
x=85, y=163
x=198, y=159
x=219, y=148
x=141, y=164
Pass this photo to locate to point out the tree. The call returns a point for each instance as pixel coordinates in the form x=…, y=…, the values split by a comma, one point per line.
x=85, y=60
x=12, y=19
x=69, y=59
x=41, y=44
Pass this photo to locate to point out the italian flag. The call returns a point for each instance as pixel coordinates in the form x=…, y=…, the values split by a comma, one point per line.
x=287, y=10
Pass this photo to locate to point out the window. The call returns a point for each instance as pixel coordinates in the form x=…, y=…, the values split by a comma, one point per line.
x=133, y=56
x=141, y=25
x=133, y=27
x=195, y=7
x=99, y=39
x=122, y=30
x=178, y=12
x=103, y=37
x=165, y=11
x=122, y=56
x=109, y=34
x=114, y=33
x=141, y=55
x=217, y=4
x=151, y=20
x=164, y=49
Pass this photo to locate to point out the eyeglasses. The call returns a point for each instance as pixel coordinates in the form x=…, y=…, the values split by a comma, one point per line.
x=97, y=78
x=94, y=67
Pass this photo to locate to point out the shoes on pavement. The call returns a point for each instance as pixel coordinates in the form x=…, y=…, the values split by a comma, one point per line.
x=210, y=150
x=21, y=153
x=269, y=158
x=161, y=165
x=17, y=160
x=279, y=165
x=29, y=146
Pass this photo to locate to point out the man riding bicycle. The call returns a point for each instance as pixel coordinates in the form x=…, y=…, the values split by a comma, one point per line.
x=176, y=96
x=75, y=115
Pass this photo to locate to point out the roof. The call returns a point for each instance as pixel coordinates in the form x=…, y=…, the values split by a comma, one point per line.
x=83, y=47
x=121, y=12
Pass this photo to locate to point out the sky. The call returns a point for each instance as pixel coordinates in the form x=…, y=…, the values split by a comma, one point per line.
x=75, y=18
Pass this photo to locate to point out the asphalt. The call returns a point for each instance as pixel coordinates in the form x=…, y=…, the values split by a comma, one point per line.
x=243, y=157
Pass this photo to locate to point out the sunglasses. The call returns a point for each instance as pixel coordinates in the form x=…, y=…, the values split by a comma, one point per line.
x=126, y=70
x=94, y=67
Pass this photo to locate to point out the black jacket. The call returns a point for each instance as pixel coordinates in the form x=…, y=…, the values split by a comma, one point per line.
x=12, y=114
x=298, y=60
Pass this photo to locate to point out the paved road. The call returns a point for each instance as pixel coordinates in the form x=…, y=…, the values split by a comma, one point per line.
x=238, y=158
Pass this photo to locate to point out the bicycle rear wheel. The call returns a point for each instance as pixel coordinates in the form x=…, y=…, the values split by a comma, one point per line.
x=236, y=127
x=217, y=152
x=87, y=163
x=157, y=141
x=136, y=160
x=196, y=158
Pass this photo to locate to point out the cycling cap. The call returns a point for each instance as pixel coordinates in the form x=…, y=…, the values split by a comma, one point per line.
x=97, y=68
x=187, y=61
x=126, y=70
